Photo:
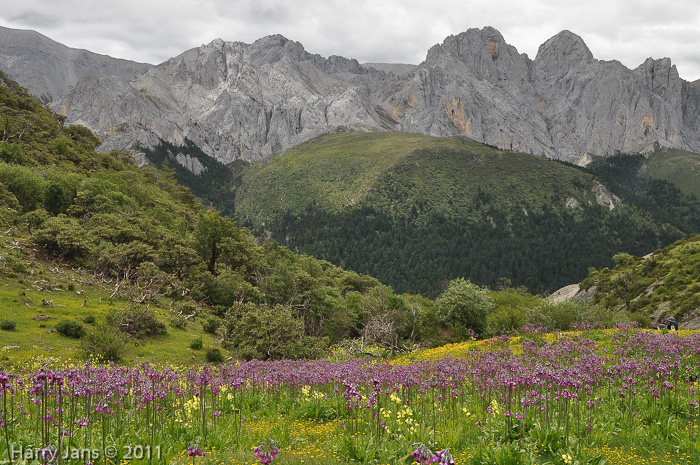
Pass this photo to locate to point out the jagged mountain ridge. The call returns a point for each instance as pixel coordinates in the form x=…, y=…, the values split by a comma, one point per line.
x=248, y=101
x=49, y=69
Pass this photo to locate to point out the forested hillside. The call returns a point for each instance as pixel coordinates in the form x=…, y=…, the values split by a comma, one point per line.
x=417, y=211
x=665, y=184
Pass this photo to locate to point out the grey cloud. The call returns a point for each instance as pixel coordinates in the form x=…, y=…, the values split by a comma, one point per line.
x=36, y=20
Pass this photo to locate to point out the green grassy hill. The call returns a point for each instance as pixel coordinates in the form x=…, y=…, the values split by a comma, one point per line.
x=417, y=211
x=678, y=167
x=339, y=171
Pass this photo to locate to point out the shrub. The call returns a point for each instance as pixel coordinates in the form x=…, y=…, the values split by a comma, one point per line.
x=506, y=319
x=104, y=343
x=642, y=320
x=573, y=314
x=264, y=333
x=89, y=320
x=8, y=325
x=180, y=313
x=70, y=328
x=177, y=320
x=15, y=264
x=64, y=236
x=137, y=322
x=214, y=356
x=197, y=344
x=463, y=307
x=211, y=325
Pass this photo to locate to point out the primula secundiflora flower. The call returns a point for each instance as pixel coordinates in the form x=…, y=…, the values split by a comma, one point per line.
x=267, y=451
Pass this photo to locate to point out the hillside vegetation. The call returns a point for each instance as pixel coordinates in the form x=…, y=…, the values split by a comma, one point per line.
x=212, y=184
x=417, y=211
x=645, y=181
x=154, y=264
x=667, y=283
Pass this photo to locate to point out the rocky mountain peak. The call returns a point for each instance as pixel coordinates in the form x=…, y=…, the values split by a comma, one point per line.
x=469, y=45
x=561, y=53
x=272, y=49
x=485, y=54
x=335, y=63
x=659, y=75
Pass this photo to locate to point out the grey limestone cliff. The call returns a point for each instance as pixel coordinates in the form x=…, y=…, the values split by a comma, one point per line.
x=564, y=104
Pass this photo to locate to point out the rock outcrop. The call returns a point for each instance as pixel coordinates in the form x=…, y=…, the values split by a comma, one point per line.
x=248, y=101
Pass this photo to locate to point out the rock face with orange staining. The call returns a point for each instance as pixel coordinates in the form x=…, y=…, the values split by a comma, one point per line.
x=564, y=104
x=248, y=101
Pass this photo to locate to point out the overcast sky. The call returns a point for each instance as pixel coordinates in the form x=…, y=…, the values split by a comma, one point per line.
x=389, y=31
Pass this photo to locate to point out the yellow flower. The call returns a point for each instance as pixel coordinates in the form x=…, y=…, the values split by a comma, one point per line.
x=494, y=406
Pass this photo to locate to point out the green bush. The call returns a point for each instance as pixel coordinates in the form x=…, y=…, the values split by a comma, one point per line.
x=104, y=343
x=70, y=328
x=181, y=312
x=506, y=320
x=214, y=356
x=64, y=236
x=197, y=344
x=564, y=316
x=464, y=307
x=211, y=325
x=137, y=322
x=177, y=320
x=265, y=333
x=8, y=325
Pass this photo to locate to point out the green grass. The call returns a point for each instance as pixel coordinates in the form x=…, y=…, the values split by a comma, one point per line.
x=676, y=166
x=26, y=279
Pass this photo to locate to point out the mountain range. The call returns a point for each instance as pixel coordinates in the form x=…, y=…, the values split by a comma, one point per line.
x=248, y=101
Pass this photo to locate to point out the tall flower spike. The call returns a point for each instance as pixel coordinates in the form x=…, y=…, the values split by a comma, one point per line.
x=267, y=451
x=446, y=457
x=423, y=454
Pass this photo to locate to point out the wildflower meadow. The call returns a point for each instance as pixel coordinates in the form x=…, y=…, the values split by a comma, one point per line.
x=622, y=396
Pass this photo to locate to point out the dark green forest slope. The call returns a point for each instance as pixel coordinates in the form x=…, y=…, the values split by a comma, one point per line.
x=417, y=211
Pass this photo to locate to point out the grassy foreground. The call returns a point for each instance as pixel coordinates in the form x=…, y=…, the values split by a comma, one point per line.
x=622, y=396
